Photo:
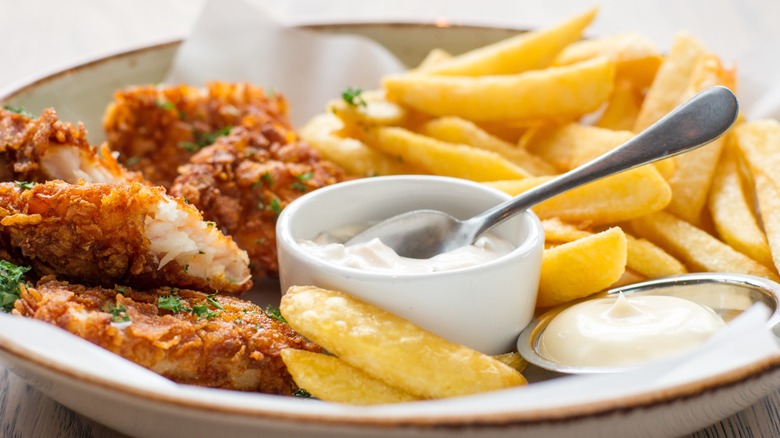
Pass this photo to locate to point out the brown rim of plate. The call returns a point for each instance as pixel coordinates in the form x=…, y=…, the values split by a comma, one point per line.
x=558, y=415
x=646, y=400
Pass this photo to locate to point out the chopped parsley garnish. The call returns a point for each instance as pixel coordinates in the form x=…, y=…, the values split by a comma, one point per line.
x=275, y=206
x=172, y=303
x=164, y=104
x=267, y=178
x=274, y=313
x=203, y=311
x=213, y=301
x=118, y=313
x=202, y=139
x=186, y=268
x=17, y=110
x=25, y=185
x=300, y=392
x=11, y=277
x=120, y=290
x=353, y=96
x=299, y=185
x=210, y=223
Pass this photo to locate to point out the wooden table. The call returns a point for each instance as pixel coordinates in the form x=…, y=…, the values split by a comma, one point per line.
x=26, y=412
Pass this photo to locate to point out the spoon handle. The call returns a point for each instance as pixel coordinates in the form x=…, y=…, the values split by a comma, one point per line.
x=700, y=120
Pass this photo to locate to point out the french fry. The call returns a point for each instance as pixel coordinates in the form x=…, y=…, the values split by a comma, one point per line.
x=570, y=145
x=567, y=91
x=513, y=359
x=614, y=199
x=390, y=348
x=355, y=157
x=432, y=59
x=373, y=110
x=699, y=250
x=732, y=211
x=331, y=379
x=527, y=51
x=555, y=230
x=694, y=170
x=670, y=82
x=582, y=267
x=651, y=261
x=636, y=57
x=622, y=108
x=759, y=142
x=441, y=158
x=457, y=130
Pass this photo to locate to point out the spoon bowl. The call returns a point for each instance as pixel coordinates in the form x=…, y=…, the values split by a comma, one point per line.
x=423, y=234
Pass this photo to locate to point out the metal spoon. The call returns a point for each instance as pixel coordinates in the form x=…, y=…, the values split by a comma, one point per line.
x=423, y=234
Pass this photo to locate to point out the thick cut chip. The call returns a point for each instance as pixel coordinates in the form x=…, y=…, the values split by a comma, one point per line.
x=733, y=213
x=555, y=230
x=582, y=267
x=558, y=92
x=391, y=349
x=570, y=145
x=457, y=130
x=331, y=379
x=769, y=203
x=352, y=155
x=622, y=108
x=696, y=248
x=694, y=170
x=433, y=58
x=636, y=57
x=369, y=109
x=617, y=198
x=650, y=260
x=527, y=51
x=441, y=158
x=670, y=82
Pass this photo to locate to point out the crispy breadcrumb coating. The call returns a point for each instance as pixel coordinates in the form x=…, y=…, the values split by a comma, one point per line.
x=156, y=129
x=244, y=180
x=186, y=336
x=47, y=148
x=104, y=234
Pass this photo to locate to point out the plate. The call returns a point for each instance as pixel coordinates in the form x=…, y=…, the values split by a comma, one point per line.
x=118, y=393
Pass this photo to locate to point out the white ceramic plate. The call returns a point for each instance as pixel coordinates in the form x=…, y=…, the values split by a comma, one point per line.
x=134, y=401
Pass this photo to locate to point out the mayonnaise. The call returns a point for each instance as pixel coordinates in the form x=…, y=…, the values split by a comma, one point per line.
x=625, y=331
x=378, y=257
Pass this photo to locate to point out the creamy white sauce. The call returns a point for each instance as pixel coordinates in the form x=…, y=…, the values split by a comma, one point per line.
x=377, y=257
x=625, y=331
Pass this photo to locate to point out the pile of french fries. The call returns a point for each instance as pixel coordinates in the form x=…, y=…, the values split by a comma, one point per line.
x=515, y=113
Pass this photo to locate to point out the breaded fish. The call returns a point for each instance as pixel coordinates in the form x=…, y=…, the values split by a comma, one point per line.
x=186, y=336
x=244, y=180
x=156, y=129
x=46, y=148
x=104, y=234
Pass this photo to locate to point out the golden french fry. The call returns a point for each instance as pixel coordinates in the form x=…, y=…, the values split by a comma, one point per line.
x=733, y=213
x=570, y=145
x=432, y=59
x=636, y=57
x=513, y=359
x=622, y=108
x=617, y=198
x=670, y=82
x=651, y=261
x=759, y=142
x=555, y=230
x=527, y=51
x=582, y=267
x=390, y=348
x=694, y=170
x=699, y=250
x=441, y=158
x=373, y=110
x=355, y=157
x=566, y=91
x=331, y=379
x=461, y=131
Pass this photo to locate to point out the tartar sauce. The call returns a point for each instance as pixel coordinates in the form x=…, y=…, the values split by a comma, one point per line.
x=378, y=257
x=625, y=331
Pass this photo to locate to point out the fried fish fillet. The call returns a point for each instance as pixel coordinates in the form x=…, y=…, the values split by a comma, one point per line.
x=244, y=180
x=133, y=234
x=186, y=336
x=156, y=129
x=47, y=148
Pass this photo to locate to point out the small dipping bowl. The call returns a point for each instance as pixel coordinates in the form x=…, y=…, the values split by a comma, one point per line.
x=726, y=294
x=483, y=307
